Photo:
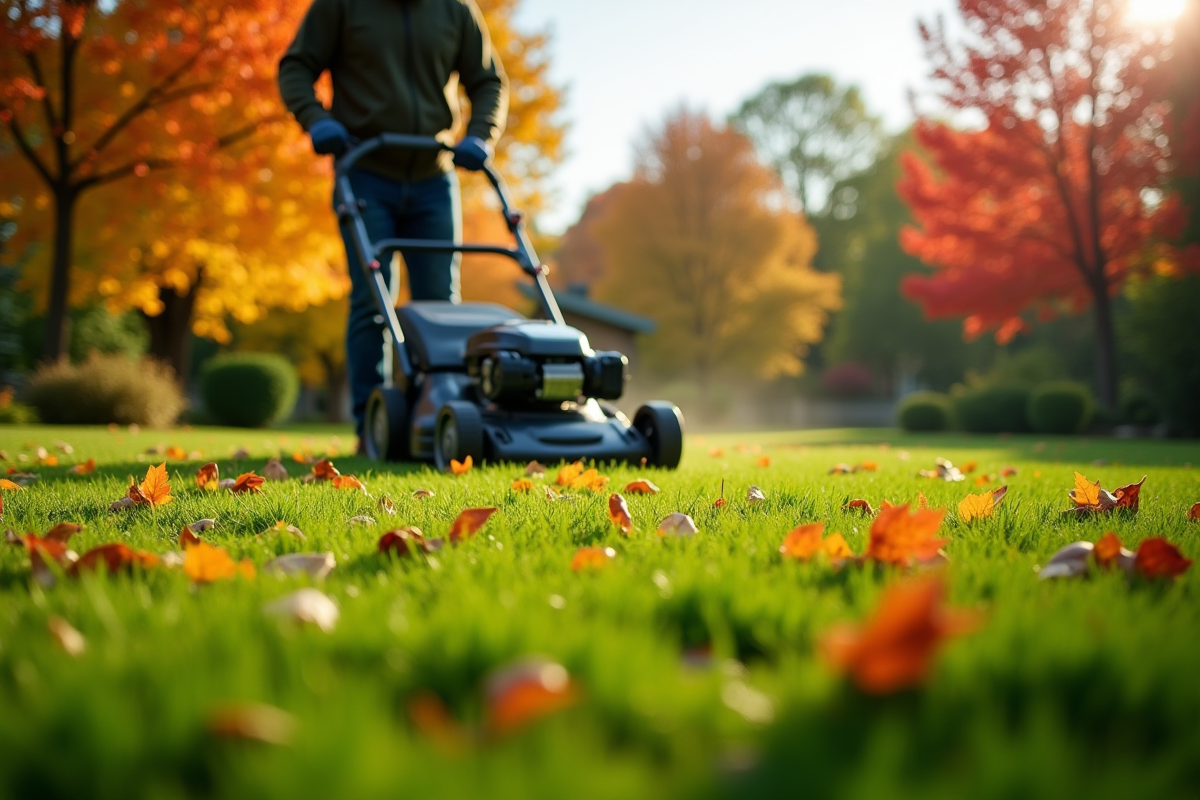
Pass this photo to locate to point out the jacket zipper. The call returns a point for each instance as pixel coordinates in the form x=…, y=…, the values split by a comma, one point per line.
x=411, y=57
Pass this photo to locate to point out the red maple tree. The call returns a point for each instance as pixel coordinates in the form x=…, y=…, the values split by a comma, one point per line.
x=1059, y=196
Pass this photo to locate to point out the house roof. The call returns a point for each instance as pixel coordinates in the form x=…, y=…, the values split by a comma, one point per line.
x=575, y=301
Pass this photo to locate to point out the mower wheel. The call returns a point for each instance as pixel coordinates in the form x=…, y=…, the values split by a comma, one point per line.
x=458, y=433
x=386, y=424
x=662, y=425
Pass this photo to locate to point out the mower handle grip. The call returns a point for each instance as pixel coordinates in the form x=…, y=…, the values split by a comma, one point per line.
x=359, y=149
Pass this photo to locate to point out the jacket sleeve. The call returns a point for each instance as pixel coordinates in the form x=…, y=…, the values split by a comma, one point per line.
x=483, y=78
x=310, y=54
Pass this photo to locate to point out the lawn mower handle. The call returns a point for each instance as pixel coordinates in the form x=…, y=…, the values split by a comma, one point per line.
x=371, y=254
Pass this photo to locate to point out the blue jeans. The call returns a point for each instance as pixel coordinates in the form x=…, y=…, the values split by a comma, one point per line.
x=426, y=209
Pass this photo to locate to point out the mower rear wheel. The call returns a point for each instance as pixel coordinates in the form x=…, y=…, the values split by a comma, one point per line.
x=662, y=425
x=458, y=433
x=385, y=425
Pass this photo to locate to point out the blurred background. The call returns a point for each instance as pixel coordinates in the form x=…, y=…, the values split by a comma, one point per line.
x=786, y=214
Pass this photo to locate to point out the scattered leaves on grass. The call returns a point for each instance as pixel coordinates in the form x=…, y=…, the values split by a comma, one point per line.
x=155, y=488
x=1155, y=558
x=274, y=470
x=895, y=647
x=978, y=506
x=201, y=525
x=324, y=470
x=468, y=523
x=922, y=502
x=188, y=538
x=9, y=486
x=900, y=537
x=405, y=542
x=943, y=470
x=860, y=505
x=67, y=637
x=461, y=467
x=1108, y=552
x=421, y=494
x=618, y=513
x=1068, y=562
x=523, y=485
x=1194, y=513
x=805, y=541
x=43, y=553
x=253, y=722
x=641, y=486
x=534, y=470
x=208, y=476
x=755, y=495
x=114, y=557
x=1091, y=498
x=307, y=606
x=62, y=532
x=524, y=692
x=678, y=524
x=281, y=527
x=203, y=563
x=386, y=505
x=1158, y=558
x=247, y=483
x=552, y=495
x=592, y=557
x=86, y=468
x=314, y=565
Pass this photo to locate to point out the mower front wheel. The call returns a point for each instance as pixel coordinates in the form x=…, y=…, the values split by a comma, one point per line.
x=457, y=434
x=385, y=425
x=662, y=425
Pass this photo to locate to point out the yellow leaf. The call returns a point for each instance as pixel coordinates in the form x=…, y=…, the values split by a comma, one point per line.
x=156, y=487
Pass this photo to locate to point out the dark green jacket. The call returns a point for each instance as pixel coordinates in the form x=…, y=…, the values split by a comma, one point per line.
x=393, y=64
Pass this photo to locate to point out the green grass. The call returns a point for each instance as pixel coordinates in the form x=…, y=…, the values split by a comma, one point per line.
x=1083, y=688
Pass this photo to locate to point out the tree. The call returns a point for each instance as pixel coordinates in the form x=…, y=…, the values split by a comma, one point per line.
x=700, y=242
x=96, y=93
x=813, y=132
x=1057, y=198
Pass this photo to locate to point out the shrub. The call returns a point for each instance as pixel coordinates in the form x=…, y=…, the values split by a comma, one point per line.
x=1159, y=334
x=1060, y=407
x=847, y=380
x=925, y=411
x=12, y=412
x=992, y=409
x=1139, y=408
x=104, y=389
x=249, y=390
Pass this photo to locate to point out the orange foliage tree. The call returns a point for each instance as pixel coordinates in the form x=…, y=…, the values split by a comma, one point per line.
x=702, y=241
x=1057, y=198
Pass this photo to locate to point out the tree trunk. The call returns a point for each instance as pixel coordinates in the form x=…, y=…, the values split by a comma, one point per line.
x=1106, y=349
x=57, y=321
x=171, y=330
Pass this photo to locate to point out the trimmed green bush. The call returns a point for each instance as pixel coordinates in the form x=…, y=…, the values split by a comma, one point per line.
x=993, y=409
x=104, y=389
x=249, y=390
x=1060, y=407
x=925, y=411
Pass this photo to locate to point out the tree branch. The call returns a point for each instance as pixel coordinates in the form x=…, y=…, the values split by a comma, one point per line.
x=26, y=148
x=35, y=68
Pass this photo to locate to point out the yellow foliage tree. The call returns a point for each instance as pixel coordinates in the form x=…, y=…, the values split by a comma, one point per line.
x=702, y=241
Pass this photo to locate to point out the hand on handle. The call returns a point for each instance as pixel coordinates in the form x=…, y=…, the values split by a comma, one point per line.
x=329, y=137
x=472, y=153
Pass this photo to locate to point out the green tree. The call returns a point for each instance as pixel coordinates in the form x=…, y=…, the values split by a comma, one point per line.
x=814, y=132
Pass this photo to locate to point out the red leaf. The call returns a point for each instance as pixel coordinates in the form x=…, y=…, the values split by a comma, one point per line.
x=618, y=513
x=859, y=505
x=115, y=557
x=248, y=482
x=468, y=523
x=1158, y=558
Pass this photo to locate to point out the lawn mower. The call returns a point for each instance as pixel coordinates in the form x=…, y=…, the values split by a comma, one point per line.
x=481, y=380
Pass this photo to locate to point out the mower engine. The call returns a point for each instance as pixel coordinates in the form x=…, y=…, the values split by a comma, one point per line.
x=531, y=363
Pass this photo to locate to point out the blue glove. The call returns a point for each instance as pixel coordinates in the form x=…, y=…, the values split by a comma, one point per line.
x=329, y=137
x=472, y=153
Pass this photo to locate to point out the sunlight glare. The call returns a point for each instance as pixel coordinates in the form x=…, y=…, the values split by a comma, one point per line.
x=1156, y=10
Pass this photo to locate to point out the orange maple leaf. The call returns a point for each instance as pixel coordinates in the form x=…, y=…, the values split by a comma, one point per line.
x=62, y=532
x=324, y=470
x=348, y=482
x=526, y=691
x=468, y=523
x=114, y=557
x=461, y=467
x=591, y=480
x=8, y=485
x=1106, y=550
x=568, y=473
x=898, y=537
x=204, y=563
x=188, y=538
x=1158, y=558
x=805, y=541
x=1085, y=492
x=763, y=461
x=592, y=558
x=860, y=505
x=978, y=506
x=522, y=485
x=208, y=476
x=86, y=468
x=618, y=513
x=155, y=489
x=641, y=487
x=176, y=453
x=894, y=649
x=248, y=482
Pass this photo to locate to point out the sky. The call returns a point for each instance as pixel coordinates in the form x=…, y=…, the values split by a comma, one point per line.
x=626, y=63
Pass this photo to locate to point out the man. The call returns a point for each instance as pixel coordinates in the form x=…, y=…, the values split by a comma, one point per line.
x=396, y=66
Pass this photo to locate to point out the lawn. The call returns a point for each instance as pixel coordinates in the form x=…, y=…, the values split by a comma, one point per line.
x=694, y=661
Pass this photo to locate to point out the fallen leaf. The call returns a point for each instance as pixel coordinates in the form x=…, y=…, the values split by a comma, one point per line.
x=248, y=482
x=114, y=557
x=10, y=486
x=978, y=506
x=309, y=606
x=522, y=485
x=755, y=495
x=983, y=480
x=719, y=503
x=618, y=513
x=421, y=494
x=302, y=457
x=968, y=468
x=62, y=532
x=805, y=541
x=1085, y=492
x=526, y=691
x=642, y=486
x=943, y=470
x=86, y=468
x=315, y=565
x=324, y=470
x=899, y=537
x=1194, y=513
x=568, y=474
x=591, y=480
x=69, y=639
x=763, y=461
x=468, y=523
x=121, y=503
x=281, y=527
x=678, y=524
x=155, y=488
x=253, y=722
x=207, y=476
x=592, y=558
x=534, y=470
x=895, y=647
x=1007, y=472
x=842, y=469
x=869, y=466
x=1127, y=496
x=1069, y=562
x=1158, y=558
x=863, y=506
x=176, y=453
x=274, y=470
x=402, y=541
x=461, y=467
x=386, y=505
x=201, y=525
x=1107, y=550
x=43, y=553
x=362, y=519
x=187, y=538
x=553, y=495
x=203, y=563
